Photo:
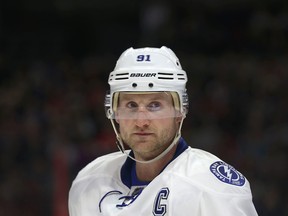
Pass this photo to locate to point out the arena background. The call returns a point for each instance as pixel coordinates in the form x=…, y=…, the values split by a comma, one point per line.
x=55, y=57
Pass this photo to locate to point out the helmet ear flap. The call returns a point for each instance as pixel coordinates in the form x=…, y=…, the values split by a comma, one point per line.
x=107, y=104
x=111, y=104
x=185, y=102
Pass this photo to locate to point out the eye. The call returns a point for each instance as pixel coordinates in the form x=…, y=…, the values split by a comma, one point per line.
x=154, y=106
x=132, y=105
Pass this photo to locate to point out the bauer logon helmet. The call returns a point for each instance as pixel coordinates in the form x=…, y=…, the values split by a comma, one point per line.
x=148, y=70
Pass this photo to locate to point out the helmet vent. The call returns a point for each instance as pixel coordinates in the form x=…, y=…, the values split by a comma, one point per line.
x=165, y=76
x=168, y=74
x=181, y=76
x=121, y=76
x=171, y=76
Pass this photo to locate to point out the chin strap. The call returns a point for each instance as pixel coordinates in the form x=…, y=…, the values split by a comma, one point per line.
x=121, y=147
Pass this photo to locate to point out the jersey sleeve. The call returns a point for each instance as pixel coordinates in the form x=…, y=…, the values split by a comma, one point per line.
x=219, y=205
x=210, y=186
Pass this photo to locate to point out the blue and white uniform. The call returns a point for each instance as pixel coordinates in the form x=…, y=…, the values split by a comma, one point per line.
x=194, y=183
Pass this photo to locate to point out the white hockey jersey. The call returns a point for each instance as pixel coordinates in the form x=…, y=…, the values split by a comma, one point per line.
x=194, y=183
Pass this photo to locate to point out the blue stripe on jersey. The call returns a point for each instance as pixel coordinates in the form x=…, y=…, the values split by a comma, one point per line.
x=128, y=172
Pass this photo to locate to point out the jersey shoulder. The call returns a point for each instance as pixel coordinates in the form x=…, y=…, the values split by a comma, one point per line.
x=103, y=165
x=206, y=170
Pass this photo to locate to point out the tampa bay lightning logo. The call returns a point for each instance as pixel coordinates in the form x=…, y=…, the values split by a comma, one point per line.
x=226, y=173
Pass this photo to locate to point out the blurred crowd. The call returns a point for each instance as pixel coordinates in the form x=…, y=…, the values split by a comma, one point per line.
x=52, y=120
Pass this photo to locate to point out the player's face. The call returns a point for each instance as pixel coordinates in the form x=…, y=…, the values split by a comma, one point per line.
x=147, y=122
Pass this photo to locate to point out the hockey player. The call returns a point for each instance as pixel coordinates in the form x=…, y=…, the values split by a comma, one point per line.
x=160, y=174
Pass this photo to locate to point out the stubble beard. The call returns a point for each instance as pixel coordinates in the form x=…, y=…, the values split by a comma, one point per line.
x=147, y=148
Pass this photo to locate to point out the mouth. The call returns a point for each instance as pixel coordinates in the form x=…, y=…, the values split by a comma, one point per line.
x=143, y=134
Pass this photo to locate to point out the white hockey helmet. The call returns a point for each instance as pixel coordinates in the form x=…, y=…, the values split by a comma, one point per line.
x=148, y=70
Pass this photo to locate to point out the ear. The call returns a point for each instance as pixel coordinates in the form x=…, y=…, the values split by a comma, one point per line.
x=179, y=116
x=179, y=119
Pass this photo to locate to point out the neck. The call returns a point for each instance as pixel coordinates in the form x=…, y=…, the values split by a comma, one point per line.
x=148, y=171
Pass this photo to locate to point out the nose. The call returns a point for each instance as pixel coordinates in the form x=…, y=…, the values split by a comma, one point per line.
x=142, y=118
